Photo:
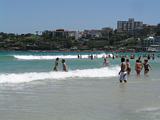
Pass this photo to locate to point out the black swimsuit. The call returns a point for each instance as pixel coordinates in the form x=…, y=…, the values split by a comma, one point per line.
x=146, y=67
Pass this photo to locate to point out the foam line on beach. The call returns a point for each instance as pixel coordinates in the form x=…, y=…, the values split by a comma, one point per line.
x=151, y=109
x=33, y=76
x=50, y=57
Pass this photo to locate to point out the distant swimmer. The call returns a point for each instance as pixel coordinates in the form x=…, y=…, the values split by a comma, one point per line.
x=117, y=56
x=148, y=57
x=56, y=65
x=113, y=56
x=91, y=57
x=132, y=56
x=153, y=56
x=123, y=73
x=64, y=65
x=128, y=66
x=95, y=56
x=106, y=62
x=139, y=58
x=138, y=67
x=78, y=56
x=146, y=67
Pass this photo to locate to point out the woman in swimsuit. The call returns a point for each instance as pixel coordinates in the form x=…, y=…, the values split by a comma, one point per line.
x=146, y=66
x=138, y=67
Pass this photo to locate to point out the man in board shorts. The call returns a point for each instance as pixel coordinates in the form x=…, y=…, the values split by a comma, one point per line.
x=123, y=72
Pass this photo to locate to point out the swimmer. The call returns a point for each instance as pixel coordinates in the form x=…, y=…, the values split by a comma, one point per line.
x=64, y=65
x=56, y=65
x=128, y=66
x=138, y=67
x=146, y=67
x=106, y=62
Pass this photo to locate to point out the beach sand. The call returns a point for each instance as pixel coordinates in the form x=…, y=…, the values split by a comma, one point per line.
x=81, y=99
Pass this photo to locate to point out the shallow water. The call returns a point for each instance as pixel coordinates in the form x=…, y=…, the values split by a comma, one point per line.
x=30, y=91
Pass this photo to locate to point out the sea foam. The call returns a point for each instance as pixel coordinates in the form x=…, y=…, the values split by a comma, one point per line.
x=33, y=76
x=49, y=57
x=151, y=109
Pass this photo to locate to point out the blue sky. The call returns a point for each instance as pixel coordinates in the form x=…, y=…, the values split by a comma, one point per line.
x=23, y=16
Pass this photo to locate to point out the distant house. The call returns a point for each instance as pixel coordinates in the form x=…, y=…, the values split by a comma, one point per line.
x=61, y=33
x=148, y=41
x=157, y=40
x=92, y=33
x=151, y=43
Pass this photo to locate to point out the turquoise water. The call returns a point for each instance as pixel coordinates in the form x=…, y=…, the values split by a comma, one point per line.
x=30, y=90
x=10, y=64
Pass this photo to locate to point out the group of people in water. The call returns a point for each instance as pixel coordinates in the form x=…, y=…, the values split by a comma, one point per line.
x=126, y=67
x=64, y=66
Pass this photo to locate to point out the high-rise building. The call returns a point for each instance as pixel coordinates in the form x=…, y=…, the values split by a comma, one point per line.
x=129, y=25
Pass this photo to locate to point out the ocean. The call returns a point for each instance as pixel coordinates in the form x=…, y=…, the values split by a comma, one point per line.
x=31, y=90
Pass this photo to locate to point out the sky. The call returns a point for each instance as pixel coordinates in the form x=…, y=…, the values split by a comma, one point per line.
x=28, y=16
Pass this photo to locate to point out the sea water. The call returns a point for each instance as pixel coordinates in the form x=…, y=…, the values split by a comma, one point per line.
x=31, y=90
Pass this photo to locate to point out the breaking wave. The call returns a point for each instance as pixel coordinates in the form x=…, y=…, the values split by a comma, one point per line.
x=49, y=57
x=33, y=76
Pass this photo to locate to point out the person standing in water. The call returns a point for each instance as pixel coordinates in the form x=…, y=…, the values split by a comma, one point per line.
x=148, y=57
x=153, y=56
x=106, y=62
x=138, y=67
x=128, y=66
x=64, y=66
x=123, y=73
x=146, y=67
x=56, y=65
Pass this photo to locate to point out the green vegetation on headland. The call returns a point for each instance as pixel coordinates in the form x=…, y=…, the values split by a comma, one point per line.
x=105, y=39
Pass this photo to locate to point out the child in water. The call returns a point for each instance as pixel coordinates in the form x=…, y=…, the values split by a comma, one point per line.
x=64, y=65
x=146, y=66
x=128, y=66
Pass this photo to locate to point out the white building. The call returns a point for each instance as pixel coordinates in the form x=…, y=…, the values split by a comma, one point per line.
x=152, y=43
x=93, y=33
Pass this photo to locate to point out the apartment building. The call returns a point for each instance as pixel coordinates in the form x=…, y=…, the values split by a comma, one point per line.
x=130, y=25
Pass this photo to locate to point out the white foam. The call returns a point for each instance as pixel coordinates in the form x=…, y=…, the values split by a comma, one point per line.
x=49, y=57
x=151, y=109
x=28, y=77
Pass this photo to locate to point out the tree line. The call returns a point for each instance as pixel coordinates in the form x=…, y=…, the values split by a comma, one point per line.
x=47, y=41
